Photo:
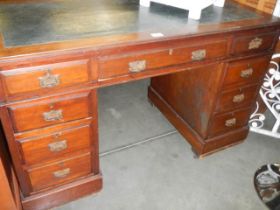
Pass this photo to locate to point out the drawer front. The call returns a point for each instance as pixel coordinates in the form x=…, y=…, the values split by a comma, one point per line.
x=56, y=145
x=112, y=66
x=253, y=43
x=246, y=71
x=222, y=123
x=240, y=97
x=60, y=172
x=45, y=112
x=45, y=77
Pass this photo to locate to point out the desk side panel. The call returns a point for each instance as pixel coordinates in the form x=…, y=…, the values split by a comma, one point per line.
x=192, y=94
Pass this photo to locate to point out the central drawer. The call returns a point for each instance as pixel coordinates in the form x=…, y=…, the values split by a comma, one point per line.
x=123, y=64
x=53, y=110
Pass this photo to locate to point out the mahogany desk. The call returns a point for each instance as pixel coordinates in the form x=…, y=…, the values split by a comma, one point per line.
x=56, y=54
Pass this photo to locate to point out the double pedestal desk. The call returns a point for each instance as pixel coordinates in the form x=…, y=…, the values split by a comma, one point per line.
x=205, y=76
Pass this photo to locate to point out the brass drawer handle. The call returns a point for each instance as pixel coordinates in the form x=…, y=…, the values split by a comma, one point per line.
x=137, y=66
x=246, y=73
x=53, y=115
x=231, y=122
x=49, y=80
x=238, y=98
x=61, y=173
x=255, y=43
x=199, y=55
x=58, y=146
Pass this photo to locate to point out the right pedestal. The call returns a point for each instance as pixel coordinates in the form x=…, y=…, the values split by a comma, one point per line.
x=205, y=107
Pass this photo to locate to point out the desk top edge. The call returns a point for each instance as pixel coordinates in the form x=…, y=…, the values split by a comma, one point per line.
x=261, y=20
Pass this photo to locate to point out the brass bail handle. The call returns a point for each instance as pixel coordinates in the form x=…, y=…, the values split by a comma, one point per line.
x=137, y=66
x=238, y=98
x=247, y=72
x=231, y=122
x=199, y=55
x=53, y=115
x=62, y=173
x=58, y=146
x=255, y=43
x=49, y=80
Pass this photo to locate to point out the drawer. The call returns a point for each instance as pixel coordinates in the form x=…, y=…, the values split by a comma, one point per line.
x=246, y=71
x=253, y=42
x=118, y=65
x=50, y=111
x=222, y=123
x=56, y=145
x=240, y=97
x=60, y=172
x=50, y=76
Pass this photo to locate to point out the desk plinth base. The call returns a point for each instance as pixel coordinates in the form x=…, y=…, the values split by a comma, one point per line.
x=63, y=194
x=200, y=146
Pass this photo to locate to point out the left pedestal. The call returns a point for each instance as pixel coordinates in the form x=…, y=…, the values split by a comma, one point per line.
x=53, y=141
